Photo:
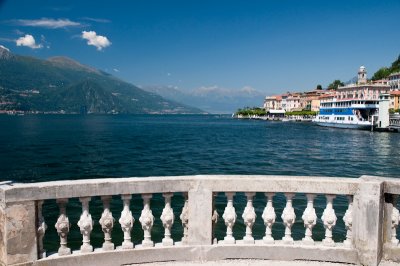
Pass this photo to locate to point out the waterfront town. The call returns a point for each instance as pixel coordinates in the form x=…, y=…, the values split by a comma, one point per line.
x=363, y=104
x=363, y=89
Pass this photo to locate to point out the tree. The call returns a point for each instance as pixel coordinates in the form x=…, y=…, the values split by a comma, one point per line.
x=382, y=73
x=395, y=65
x=335, y=84
x=319, y=87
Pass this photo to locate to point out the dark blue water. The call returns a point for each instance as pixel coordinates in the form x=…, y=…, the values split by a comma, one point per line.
x=43, y=148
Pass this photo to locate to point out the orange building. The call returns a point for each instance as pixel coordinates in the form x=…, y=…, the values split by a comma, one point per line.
x=394, y=100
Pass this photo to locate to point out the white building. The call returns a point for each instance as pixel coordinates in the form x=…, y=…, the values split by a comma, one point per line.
x=273, y=103
x=362, y=89
x=394, y=81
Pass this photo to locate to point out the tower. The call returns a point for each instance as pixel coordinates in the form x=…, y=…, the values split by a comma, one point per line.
x=362, y=75
x=383, y=116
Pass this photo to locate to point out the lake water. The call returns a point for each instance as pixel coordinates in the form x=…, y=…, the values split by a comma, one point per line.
x=56, y=147
x=42, y=148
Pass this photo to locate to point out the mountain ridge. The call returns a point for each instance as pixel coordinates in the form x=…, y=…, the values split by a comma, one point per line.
x=65, y=61
x=34, y=85
x=212, y=99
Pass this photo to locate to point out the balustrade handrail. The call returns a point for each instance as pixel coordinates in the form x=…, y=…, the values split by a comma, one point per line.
x=371, y=218
x=14, y=192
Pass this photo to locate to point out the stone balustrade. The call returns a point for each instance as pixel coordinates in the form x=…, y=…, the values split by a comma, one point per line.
x=370, y=218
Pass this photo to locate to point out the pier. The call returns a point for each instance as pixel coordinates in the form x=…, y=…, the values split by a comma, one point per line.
x=394, y=122
x=371, y=219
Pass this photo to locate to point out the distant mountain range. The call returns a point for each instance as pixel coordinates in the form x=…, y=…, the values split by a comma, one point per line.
x=212, y=99
x=60, y=84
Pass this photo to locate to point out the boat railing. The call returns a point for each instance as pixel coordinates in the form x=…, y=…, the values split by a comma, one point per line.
x=209, y=217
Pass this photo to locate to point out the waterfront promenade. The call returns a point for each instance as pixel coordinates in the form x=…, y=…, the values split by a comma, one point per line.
x=371, y=218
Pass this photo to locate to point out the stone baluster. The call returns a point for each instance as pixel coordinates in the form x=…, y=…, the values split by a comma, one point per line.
x=62, y=227
x=107, y=223
x=167, y=218
x=229, y=217
x=329, y=218
x=147, y=221
x=249, y=217
x=185, y=219
x=269, y=217
x=85, y=224
x=348, y=222
x=310, y=219
x=214, y=219
x=288, y=217
x=126, y=221
x=41, y=229
x=395, y=221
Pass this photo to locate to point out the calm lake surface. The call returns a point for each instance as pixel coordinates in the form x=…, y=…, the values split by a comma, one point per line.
x=51, y=147
x=37, y=148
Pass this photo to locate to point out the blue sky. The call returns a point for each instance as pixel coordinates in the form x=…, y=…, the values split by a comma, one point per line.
x=271, y=46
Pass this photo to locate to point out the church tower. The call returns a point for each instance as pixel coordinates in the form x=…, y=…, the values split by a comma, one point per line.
x=362, y=75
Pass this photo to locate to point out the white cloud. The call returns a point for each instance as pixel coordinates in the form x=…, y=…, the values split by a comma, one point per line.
x=18, y=32
x=28, y=41
x=5, y=48
x=116, y=70
x=249, y=90
x=98, y=20
x=6, y=39
x=215, y=90
x=96, y=40
x=48, y=23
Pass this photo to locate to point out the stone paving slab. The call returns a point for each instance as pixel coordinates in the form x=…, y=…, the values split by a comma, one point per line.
x=255, y=263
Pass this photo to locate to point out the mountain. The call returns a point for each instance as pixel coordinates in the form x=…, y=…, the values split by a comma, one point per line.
x=61, y=84
x=212, y=99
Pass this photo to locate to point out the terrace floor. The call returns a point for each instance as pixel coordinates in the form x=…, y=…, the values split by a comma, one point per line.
x=251, y=262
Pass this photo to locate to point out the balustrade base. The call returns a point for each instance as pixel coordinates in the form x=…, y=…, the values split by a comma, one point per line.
x=348, y=243
x=63, y=251
x=146, y=244
x=391, y=252
x=308, y=241
x=248, y=240
x=288, y=240
x=228, y=240
x=167, y=242
x=328, y=242
x=108, y=246
x=42, y=255
x=86, y=248
x=268, y=240
x=127, y=245
x=279, y=251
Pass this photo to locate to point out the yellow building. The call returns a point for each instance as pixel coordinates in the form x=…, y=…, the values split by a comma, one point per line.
x=394, y=100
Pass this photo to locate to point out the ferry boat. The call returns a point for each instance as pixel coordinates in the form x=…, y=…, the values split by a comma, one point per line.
x=354, y=105
x=356, y=114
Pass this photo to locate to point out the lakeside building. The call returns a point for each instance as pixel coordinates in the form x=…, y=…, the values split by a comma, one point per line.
x=363, y=89
x=395, y=100
x=273, y=103
x=394, y=81
x=293, y=102
x=296, y=101
x=310, y=100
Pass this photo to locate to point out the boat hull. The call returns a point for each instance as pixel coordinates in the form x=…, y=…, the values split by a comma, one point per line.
x=344, y=125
